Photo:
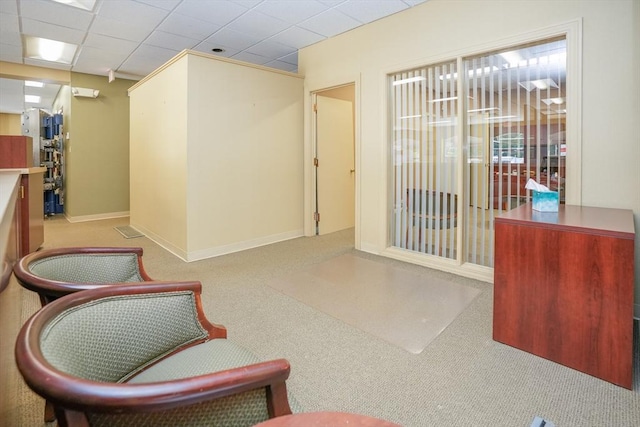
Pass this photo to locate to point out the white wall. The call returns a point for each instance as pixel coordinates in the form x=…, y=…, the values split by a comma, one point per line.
x=216, y=162
x=443, y=29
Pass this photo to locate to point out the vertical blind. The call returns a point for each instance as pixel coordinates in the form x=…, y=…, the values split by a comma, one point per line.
x=514, y=130
x=424, y=159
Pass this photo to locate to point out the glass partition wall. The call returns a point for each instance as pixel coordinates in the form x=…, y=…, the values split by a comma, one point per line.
x=460, y=161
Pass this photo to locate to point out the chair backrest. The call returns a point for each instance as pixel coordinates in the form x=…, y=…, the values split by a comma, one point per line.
x=88, y=268
x=96, y=340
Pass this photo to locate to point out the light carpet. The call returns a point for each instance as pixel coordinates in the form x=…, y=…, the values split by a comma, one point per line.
x=402, y=308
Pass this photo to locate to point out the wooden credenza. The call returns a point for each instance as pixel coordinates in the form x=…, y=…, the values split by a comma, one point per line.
x=563, y=287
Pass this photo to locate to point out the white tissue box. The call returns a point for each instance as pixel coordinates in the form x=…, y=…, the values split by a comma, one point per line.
x=545, y=201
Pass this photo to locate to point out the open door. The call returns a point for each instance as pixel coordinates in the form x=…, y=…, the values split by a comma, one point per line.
x=335, y=170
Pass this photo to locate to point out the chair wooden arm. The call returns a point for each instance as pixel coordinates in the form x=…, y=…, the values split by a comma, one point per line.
x=50, y=289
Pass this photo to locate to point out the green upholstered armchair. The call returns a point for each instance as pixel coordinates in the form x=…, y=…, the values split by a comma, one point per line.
x=145, y=355
x=53, y=273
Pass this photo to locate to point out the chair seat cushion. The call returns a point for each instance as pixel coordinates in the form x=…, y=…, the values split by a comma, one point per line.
x=211, y=356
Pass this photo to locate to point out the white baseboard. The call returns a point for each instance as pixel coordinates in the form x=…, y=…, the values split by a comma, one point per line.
x=241, y=246
x=217, y=250
x=97, y=217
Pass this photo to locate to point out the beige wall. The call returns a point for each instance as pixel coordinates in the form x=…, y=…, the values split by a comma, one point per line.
x=220, y=143
x=10, y=124
x=444, y=29
x=97, y=152
x=158, y=157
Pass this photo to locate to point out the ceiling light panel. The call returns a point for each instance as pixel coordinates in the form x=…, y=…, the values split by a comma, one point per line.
x=79, y=4
x=49, y=50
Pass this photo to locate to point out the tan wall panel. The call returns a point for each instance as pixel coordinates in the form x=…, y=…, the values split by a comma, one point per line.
x=158, y=156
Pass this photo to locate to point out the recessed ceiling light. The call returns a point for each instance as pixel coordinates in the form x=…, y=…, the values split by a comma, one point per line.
x=80, y=4
x=33, y=84
x=557, y=101
x=33, y=99
x=49, y=50
x=541, y=84
x=217, y=50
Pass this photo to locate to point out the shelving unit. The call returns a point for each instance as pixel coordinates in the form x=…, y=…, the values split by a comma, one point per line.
x=48, y=151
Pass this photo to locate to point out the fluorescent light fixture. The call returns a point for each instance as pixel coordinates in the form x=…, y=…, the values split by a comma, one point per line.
x=451, y=98
x=33, y=99
x=540, y=84
x=49, y=50
x=30, y=83
x=80, y=4
x=557, y=101
x=502, y=118
x=409, y=80
x=472, y=73
x=483, y=110
x=85, y=92
x=513, y=58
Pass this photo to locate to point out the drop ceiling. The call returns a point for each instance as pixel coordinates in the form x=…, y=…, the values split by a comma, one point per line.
x=132, y=38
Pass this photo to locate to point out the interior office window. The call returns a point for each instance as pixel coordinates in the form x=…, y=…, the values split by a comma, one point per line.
x=424, y=151
x=513, y=119
x=516, y=121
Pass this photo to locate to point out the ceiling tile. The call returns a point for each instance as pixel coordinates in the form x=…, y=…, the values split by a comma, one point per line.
x=132, y=13
x=375, y=9
x=9, y=24
x=233, y=39
x=187, y=26
x=252, y=58
x=10, y=7
x=163, y=4
x=297, y=37
x=10, y=53
x=291, y=11
x=330, y=23
x=52, y=32
x=206, y=48
x=290, y=59
x=62, y=15
x=284, y=66
x=219, y=12
x=112, y=28
x=258, y=24
x=271, y=49
x=110, y=44
x=170, y=41
x=10, y=39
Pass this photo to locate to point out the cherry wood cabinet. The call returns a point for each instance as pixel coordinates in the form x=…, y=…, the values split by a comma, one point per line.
x=563, y=287
x=16, y=155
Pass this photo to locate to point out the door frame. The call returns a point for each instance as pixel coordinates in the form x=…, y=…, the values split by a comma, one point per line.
x=310, y=150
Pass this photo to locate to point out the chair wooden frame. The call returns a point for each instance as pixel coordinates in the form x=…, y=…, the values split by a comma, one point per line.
x=50, y=290
x=72, y=396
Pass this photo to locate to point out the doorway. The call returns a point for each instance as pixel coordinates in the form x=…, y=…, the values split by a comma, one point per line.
x=334, y=159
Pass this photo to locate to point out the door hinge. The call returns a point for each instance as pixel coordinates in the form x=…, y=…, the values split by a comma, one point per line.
x=22, y=191
x=315, y=108
x=315, y=162
x=316, y=216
